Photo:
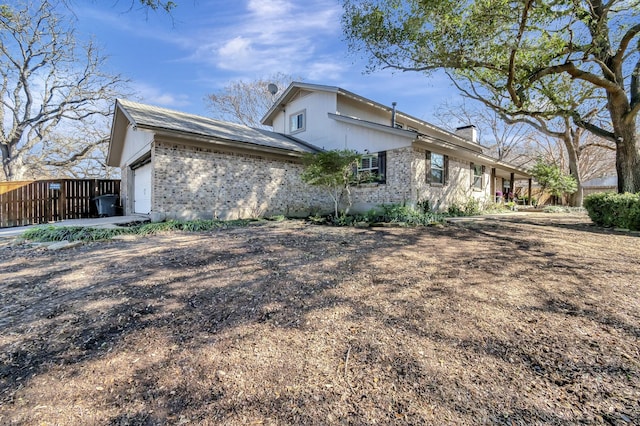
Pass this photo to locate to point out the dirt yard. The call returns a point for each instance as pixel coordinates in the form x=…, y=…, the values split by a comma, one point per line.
x=521, y=320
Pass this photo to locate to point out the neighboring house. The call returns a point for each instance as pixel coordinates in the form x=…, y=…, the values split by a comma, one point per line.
x=177, y=165
x=602, y=184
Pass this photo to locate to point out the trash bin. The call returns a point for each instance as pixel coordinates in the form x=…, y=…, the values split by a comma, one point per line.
x=106, y=205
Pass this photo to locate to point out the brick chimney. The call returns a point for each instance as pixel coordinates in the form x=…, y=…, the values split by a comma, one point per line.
x=469, y=133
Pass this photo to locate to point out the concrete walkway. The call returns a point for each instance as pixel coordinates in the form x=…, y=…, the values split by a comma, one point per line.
x=101, y=222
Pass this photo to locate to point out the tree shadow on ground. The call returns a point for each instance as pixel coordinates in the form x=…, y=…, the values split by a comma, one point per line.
x=318, y=325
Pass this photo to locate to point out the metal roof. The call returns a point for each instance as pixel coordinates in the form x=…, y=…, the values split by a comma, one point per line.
x=155, y=118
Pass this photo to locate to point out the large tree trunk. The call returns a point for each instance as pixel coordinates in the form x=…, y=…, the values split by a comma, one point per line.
x=628, y=165
x=628, y=159
x=627, y=149
x=13, y=168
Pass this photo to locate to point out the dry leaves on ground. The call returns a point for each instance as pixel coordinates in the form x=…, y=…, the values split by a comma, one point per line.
x=520, y=320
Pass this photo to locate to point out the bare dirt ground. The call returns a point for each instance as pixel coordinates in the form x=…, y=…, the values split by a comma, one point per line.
x=521, y=320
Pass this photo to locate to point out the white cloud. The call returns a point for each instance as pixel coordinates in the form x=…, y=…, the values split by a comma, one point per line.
x=155, y=96
x=328, y=70
x=236, y=50
x=268, y=8
x=269, y=36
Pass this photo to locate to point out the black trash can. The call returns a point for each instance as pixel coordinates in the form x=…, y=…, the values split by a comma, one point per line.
x=106, y=205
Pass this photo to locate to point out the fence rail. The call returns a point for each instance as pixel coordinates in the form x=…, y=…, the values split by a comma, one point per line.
x=42, y=201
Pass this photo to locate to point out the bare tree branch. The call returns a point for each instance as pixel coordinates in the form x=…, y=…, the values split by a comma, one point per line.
x=50, y=85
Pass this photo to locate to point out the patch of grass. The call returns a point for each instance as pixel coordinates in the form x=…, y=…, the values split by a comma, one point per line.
x=563, y=209
x=79, y=233
x=71, y=233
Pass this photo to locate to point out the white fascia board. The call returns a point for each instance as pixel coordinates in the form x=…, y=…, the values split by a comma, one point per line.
x=409, y=134
x=121, y=120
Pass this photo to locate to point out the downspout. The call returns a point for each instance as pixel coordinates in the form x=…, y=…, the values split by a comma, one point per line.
x=393, y=114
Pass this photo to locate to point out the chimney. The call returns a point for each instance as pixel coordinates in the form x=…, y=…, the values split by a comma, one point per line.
x=469, y=133
x=393, y=114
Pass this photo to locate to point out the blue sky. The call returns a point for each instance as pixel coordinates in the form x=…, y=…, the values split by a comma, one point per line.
x=176, y=61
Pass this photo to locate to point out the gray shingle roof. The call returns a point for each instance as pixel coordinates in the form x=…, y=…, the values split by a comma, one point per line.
x=156, y=118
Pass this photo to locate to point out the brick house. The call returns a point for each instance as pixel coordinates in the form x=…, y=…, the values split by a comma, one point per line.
x=177, y=165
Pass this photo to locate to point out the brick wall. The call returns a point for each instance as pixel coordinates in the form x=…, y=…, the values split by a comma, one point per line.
x=193, y=182
x=396, y=190
x=456, y=191
x=406, y=183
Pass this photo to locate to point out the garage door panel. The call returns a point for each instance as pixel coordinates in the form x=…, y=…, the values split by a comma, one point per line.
x=142, y=189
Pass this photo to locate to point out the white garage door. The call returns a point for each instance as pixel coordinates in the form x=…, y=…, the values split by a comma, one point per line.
x=142, y=189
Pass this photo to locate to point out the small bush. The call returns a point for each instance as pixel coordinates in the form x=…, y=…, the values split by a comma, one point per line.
x=455, y=210
x=387, y=213
x=424, y=206
x=471, y=207
x=614, y=210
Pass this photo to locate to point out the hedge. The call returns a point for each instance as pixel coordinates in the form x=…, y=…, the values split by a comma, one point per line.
x=609, y=209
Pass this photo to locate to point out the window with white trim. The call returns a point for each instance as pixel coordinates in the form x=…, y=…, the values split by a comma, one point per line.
x=477, y=178
x=297, y=122
x=437, y=168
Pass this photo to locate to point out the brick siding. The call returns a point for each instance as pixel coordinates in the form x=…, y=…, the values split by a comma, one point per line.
x=191, y=182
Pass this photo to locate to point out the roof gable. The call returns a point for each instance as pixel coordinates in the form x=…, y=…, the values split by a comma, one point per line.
x=297, y=89
x=162, y=120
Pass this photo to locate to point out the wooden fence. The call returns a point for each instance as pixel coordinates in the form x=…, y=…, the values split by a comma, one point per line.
x=43, y=201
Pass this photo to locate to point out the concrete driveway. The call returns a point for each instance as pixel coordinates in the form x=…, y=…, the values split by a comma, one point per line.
x=101, y=222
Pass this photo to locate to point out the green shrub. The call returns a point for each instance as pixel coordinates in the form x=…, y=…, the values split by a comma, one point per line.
x=399, y=213
x=455, y=210
x=471, y=207
x=609, y=209
x=424, y=206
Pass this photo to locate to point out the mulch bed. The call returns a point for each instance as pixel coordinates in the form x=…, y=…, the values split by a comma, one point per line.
x=521, y=320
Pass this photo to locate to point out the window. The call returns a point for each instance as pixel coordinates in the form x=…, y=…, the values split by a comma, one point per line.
x=477, y=174
x=297, y=122
x=372, y=167
x=437, y=168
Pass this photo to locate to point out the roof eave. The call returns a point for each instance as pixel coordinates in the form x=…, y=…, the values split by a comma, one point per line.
x=376, y=126
x=228, y=143
x=469, y=154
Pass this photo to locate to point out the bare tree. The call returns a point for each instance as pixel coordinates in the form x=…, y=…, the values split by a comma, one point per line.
x=245, y=102
x=502, y=141
x=576, y=142
x=53, y=90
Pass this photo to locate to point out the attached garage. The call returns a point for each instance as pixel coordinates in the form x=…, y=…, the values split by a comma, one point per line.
x=181, y=166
